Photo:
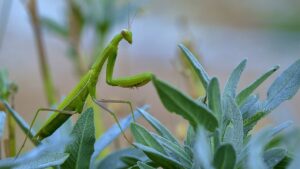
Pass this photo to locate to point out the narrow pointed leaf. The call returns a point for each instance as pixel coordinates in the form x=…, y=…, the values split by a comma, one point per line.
x=82, y=147
x=203, y=76
x=214, y=98
x=175, y=101
x=225, y=157
x=244, y=94
x=175, y=151
x=233, y=131
x=159, y=158
x=161, y=129
x=284, y=87
x=144, y=137
x=231, y=84
x=48, y=160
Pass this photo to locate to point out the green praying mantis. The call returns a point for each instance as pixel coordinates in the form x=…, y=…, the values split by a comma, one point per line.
x=75, y=100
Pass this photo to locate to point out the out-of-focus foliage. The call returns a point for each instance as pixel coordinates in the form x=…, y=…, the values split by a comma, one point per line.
x=219, y=134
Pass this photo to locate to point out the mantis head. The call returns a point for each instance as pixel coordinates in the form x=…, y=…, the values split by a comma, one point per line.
x=127, y=35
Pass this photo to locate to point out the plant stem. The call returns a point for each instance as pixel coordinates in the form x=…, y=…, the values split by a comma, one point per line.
x=75, y=29
x=4, y=14
x=11, y=132
x=47, y=80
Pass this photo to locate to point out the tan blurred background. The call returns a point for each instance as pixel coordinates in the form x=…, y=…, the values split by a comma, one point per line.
x=223, y=32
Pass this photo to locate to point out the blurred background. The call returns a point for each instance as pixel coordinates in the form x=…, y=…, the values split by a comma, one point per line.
x=221, y=33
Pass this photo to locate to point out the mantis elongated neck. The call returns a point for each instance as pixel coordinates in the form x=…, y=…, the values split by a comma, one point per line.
x=97, y=66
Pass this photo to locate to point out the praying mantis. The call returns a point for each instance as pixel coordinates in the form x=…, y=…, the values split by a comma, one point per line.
x=75, y=100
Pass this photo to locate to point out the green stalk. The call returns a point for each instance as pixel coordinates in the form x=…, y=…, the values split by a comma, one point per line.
x=45, y=70
x=11, y=135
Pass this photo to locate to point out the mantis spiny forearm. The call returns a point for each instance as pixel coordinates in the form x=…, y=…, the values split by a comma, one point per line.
x=75, y=100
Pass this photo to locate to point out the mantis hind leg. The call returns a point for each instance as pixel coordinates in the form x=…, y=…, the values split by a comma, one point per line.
x=100, y=104
x=129, y=81
x=31, y=125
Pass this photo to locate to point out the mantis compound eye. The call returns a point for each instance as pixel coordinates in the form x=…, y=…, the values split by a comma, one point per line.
x=127, y=35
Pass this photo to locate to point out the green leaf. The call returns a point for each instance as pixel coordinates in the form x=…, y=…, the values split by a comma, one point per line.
x=202, y=151
x=175, y=151
x=225, y=157
x=48, y=160
x=244, y=94
x=249, y=123
x=190, y=137
x=175, y=101
x=114, y=160
x=273, y=156
x=233, y=121
x=284, y=87
x=214, y=98
x=111, y=134
x=231, y=84
x=159, y=158
x=161, y=129
x=248, y=105
x=82, y=146
x=144, y=137
x=2, y=123
x=43, y=155
x=203, y=76
x=144, y=166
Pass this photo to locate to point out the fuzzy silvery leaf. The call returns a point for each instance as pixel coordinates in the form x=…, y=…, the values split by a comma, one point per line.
x=203, y=76
x=161, y=129
x=248, y=105
x=45, y=161
x=233, y=123
x=143, y=136
x=232, y=82
x=159, y=158
x=82, y=146
x=245, y=93
x=112, y=133
x=202, y=152
x=175, y=151
x=284, y=87
x=43, y=155
x=198, y=114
